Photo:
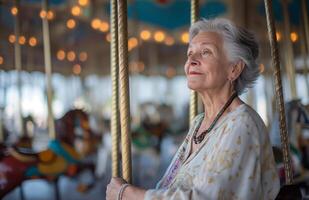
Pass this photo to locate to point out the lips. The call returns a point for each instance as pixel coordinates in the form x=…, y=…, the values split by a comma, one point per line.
x=194, y=73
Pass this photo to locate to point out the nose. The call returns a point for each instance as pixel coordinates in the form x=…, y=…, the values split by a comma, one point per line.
x=193, y=62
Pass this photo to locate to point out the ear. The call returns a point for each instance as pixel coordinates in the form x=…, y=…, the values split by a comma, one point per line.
x=236, y=70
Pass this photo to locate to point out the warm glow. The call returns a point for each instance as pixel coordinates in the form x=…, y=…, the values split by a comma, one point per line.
x=294, y=36
x=83, y=56
x=61, y=55
x=71, y=23
x=170, y=72
x=108, y=37
x=132, y=43
x=278, y=36
x=71, y=56
x=76, y=11
x=50, y=15
x=12, y=38
x=140, y=66
x=185, y=37
x=14, y=11
x=1, y=60
x=43, y=14
x=22, y=40
x=133, y=67
x=136, y=67
x=33, y=41
x=261, y=68
x=169, y=41
x=83, y=2
x=145, y=35
x=159, y=36
x=96, y=23
x=104, y=26
x=77, y=69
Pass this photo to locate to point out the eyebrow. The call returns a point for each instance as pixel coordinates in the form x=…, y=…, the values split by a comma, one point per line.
x=206, y=43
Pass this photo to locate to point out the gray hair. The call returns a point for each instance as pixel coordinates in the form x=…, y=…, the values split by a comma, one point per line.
x=239, y=44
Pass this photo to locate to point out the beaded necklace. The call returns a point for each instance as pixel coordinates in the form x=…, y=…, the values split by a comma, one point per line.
x=200, y=138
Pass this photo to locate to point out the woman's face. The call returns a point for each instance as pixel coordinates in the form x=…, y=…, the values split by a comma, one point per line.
x=207, y=67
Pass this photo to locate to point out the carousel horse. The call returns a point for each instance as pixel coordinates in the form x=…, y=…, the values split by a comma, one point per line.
x=297, y=118
x=152, y=128
x=60, y=158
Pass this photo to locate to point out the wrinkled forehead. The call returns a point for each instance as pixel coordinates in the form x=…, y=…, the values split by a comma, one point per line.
x=205, y=38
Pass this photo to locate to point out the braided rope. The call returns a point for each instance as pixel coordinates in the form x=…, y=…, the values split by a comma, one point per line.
x=279, y=92
x=115, y=90
x=193, y=94
x=124, y=91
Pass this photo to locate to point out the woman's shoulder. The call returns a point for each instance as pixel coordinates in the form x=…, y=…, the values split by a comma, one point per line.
x=246, y=121
x=252, y=117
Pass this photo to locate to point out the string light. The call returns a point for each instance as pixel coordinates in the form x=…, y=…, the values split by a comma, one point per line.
x=185, y=37
x=1, y=60
x=22, y=40
x=104, y=26
x=77, y=69
x=14, y=10
x=71, y=56
x=95, y=23
x=12, y=38
x=132, y=43
x=83, y=2
x=278, y=36
x=76, y=10
x=145, y=35
x=294, y=36
x=169, y=41
x=32, y=41
x=43, y=14
x=71, y=23
x=83, y=56
x=61, y=55
x=50, y=15
x=159, y=36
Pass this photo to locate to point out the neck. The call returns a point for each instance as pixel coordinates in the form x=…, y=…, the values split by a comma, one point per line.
x=214, y=101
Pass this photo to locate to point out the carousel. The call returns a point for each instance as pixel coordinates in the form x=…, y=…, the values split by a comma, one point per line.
x=94, y=89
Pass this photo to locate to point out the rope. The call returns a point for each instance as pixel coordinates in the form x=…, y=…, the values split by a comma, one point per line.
x=279, y=93
x=124, y=91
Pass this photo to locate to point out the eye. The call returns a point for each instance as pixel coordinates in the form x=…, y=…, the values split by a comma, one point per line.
x=206, y=52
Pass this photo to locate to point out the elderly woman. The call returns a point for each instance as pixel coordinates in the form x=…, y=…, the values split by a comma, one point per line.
x=227, y=153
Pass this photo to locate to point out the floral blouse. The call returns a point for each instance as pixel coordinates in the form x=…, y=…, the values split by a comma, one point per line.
x=235, y=161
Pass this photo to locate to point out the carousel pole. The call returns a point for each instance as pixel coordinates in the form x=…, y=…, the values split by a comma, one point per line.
x=289, y=55
x=124, y=91
x=303, y=50
x=115, y=90
x=279, y=93
x=48, y=71
x=2, y=107
x=305, y=46
x=18, y=67
x=193, y=94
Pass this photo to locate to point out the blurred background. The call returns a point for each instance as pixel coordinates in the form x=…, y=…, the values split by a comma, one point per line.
x=159, y=98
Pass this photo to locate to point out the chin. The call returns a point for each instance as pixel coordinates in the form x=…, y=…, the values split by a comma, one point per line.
x=193, y=86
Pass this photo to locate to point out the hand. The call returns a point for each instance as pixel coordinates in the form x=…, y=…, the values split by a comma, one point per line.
x=113, y=188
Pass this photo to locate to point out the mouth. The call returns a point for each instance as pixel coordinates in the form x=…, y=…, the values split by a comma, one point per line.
x=194, y=73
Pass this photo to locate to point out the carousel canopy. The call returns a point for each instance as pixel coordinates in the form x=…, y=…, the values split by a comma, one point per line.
x=79, y=31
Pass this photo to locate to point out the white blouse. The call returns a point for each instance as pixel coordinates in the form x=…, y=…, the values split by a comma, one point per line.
x=235, y=161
